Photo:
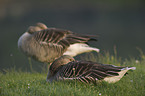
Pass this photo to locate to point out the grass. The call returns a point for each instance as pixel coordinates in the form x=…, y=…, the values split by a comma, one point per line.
x=18, y=83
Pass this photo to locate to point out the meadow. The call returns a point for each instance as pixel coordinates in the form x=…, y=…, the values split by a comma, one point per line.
x=15, y=82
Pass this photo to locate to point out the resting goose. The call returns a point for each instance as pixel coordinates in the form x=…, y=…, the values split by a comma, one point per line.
x=66, y=68
x=46, y=44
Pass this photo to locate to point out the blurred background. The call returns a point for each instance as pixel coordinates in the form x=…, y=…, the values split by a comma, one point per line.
x=119, y=23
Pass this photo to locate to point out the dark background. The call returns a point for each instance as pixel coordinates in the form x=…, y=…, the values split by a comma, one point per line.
x=119, y=23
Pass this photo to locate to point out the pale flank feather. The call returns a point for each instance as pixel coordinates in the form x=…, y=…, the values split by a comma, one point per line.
x=121, y=74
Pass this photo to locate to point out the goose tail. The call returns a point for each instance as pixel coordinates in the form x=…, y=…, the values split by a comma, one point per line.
x=123, y=71
x=79, y=48
x=129, y=68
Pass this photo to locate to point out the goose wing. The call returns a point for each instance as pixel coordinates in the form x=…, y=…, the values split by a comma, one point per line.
x=61, y=37
x=86, y=71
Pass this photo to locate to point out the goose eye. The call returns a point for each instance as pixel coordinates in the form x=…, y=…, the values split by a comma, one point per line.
x=71, y=59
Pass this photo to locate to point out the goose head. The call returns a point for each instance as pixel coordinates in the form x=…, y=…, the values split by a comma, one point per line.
x=33, y=29
x=54, y=67
x=41, y=25
x=38, y=27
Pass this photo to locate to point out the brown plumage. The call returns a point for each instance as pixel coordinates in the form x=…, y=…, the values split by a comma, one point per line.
x=66, y=68
x=46, y=44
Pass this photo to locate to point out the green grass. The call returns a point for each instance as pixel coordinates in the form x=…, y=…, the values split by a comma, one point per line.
x=18, y=83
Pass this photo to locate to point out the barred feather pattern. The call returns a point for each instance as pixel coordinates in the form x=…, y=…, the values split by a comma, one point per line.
x=86, y=71
x=60, y=37
x=54, y=42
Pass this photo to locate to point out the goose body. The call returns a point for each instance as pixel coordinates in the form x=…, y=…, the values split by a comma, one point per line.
x=66, y=68
x=46, y=44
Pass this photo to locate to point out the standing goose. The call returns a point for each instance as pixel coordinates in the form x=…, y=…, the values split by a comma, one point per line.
x=46, y=44
x=66, y=68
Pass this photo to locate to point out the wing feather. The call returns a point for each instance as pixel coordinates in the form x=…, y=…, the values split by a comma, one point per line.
x=88, y=72
x=60, y=37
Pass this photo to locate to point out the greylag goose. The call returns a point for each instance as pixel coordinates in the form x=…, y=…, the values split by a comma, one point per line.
x=66, y=68
x=46, y=44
